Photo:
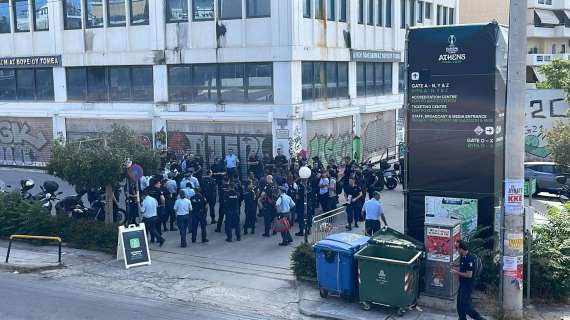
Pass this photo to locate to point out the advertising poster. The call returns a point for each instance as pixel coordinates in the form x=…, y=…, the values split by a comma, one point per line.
x=456, y=238
x=464, y=210
x=438, y=244
x=514, y=197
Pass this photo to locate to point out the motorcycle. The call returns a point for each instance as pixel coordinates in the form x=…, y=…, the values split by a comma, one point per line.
x=4, y=188
x=388, y=175
x=564, y=192
x=48, y=196
x=27, y=185
x=73, y=206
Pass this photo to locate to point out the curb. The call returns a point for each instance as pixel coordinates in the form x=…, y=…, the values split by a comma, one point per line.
x=30, y=269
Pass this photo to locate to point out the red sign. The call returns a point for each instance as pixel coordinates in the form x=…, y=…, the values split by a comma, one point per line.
x=135, y=172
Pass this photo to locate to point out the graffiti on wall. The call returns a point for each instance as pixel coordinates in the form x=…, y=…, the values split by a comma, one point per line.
x=544, y=109
x=295, y=142
x=335, y=147
x=25, y=142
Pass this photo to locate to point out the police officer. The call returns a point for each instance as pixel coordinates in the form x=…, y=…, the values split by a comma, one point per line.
x=199, y=212
x=210, y=191
x=222, y=191
x=132, y=207
x=250, y=201
x=466, y=272
x=232, y=204
x=353, y=196
x=300, y=206
x=266, y=204
x=171, y=192
x=155, y=190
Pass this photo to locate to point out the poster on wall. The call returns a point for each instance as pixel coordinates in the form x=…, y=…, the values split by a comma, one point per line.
x=514, y=197
x=464, y=210
x=438, y=244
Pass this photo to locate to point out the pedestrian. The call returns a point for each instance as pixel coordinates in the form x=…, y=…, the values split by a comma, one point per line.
x=231, y=163
x=149, y=209
x=156, y=191
x=373, y=212
x=353, y=195
x=324, y=191
x=300, y=206
x=219, y=170
x=131, y=193
x=466, y=273
x=170, y=197
x=183, y=209
x=254, y=165
x=292, y=189
x=333, y=198
x=232, y=199
x=199, y=213
x=250, y=202
x=280, y=160
x=266, y=204
x=222, y=191
x=210, y=190
x=284, y=206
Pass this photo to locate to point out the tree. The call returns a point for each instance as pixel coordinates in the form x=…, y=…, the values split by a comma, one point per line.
x=558, y=139
x=557, y=76
x=98, y=163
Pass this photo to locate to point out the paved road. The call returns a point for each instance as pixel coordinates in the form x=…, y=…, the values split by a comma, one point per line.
x=28, y=298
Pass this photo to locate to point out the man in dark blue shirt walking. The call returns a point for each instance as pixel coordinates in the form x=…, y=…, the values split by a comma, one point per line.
x=466, y=273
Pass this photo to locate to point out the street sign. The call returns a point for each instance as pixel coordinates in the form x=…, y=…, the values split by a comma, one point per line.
x=135, y=172
x=132, y=246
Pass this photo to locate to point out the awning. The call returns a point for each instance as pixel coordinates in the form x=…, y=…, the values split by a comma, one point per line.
x=538, y=74
x=547, y=16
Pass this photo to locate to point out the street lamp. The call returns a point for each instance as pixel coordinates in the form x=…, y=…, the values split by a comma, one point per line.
x=305, y=174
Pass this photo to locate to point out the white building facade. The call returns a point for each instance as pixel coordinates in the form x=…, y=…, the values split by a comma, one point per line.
x=548, y=35
x=205, y=76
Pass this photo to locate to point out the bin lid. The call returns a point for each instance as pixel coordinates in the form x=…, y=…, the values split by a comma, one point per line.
x=441, y=222
x=389, y=236
x=343, y=242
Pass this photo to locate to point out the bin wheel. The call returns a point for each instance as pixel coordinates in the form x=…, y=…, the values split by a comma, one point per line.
x=324, y=293
x=366, y=306
x=400, y=312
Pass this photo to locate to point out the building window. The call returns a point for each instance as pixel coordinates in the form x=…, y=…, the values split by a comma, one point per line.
x=41, y=21
x=380, y=11
x=438, y=14
x=307, y=8
x=230, y=82
x=4, y=16
x=26, y=84
x=361, y=11
x=402, y=78
x=428, y=10
x=412, y=13
x=139, y=12
x=373, y=79
x=202, y=10
x=451, y=16
x=319, y=9
x=370, y=12
x=229, y=9
x=110, y=84
x=331, y=10
x=21, y=15
x=403, y=14
x=258, y=8
x=116, y=15
x=342, y=17
x=324, y=80
x=444, y=14
x=94, y=13
x=388, y=23
x=420, y=11
x=72, y=14
x=176, y=10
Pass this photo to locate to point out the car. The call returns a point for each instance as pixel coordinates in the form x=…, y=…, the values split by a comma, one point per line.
x=545, y=174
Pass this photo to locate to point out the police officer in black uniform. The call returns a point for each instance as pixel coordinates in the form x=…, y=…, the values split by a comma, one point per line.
x=222, y=191
x=199, y=212
x=250, y=202
x=266, y=204
x=132, y=208
x=155, y=190
x=466, y=273
x=210, y=188
x=300, y=206
x=232, y=205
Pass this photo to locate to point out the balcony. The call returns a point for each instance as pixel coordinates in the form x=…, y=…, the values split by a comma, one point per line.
x=533, y=31
x=545, y=58
x=549, y=4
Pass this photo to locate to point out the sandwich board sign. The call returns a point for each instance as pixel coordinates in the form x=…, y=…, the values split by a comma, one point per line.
x=132, y=246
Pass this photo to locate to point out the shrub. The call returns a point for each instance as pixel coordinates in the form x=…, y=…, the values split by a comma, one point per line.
x=550, y=263
x=303, y=261
x=481, y=243
x=19, y=216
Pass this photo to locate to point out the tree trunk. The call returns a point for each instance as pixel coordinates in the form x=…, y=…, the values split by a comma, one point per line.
x=108, y=204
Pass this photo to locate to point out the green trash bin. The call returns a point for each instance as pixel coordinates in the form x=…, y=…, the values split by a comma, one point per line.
x=388, y=275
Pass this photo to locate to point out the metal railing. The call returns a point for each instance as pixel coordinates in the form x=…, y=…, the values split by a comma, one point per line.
x=27, y=237
x=328, y=223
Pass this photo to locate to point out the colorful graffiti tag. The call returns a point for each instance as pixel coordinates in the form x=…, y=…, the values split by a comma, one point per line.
x=335, y=147
x=544, y=109
x=26, y=141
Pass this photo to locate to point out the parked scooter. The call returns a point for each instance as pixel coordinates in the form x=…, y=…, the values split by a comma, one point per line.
x=73, y=206
x=26, y=185
x=48, y=196
x=564, y=192
x=389, y=175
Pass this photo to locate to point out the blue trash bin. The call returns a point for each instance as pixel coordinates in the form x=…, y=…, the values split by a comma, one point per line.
x=336, y=266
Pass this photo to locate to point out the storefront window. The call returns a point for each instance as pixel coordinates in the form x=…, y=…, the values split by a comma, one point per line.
x=7, y=84
x=373, y=79
x=76, y=84
x=40, y=8
x=26, y=84
x=203, y=10
x=97, y=84
x=139, y=12
x=21, y=15
x=176, y=10
x=229, y=9
x=94, y=14
x=44, y=84
x=116, y=15
x=72, y=14
x=258, y=8
x=324, y=80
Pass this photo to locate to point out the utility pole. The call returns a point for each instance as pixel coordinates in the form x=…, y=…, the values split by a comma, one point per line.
x=513, y=210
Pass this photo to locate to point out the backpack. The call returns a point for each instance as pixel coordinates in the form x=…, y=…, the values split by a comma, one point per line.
x=477, y=268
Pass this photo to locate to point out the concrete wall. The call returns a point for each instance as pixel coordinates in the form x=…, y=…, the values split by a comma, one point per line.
x=484, y=11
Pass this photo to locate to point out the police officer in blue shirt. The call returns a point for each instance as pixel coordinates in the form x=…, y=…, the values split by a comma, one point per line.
x=466, y=275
